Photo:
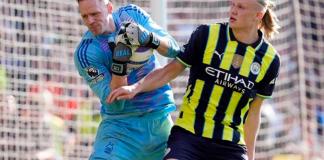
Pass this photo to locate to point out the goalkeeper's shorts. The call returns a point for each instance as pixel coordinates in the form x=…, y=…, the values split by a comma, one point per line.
x=141, y=137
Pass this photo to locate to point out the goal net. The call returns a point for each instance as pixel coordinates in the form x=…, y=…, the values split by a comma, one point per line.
x=47, y=111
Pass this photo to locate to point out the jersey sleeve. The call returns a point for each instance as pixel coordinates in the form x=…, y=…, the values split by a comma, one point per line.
x=189, y=52
x=267, y=84
x=138, y=15
x=93, y=68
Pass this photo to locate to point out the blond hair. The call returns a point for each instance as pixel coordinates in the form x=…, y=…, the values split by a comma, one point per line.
x=269, y=23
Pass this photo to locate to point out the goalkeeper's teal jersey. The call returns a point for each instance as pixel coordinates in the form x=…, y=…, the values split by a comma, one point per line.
x=93, y=58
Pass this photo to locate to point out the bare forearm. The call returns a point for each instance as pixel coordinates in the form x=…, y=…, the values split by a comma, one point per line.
x=118, y=81
x=251, y=126
x=154, y=80
x=160, y=77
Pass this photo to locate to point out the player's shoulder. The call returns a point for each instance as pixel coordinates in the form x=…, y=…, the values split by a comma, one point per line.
x=201, y=29
x=86, y=40
x=132, y=9
x=85, y=48
x=206, y=27
x=271, y=50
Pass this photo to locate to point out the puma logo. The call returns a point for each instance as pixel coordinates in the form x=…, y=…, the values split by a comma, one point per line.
x=218, y=54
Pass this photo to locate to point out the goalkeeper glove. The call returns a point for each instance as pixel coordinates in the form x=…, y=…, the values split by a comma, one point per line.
x=135, y=34
x=120, y=58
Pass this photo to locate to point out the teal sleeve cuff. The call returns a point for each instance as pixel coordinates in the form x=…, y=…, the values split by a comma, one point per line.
x=174, y=49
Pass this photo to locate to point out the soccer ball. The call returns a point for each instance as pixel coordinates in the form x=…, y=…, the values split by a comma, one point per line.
x=140, y=55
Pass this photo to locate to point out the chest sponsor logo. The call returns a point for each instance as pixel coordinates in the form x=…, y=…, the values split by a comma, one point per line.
x=228, y=80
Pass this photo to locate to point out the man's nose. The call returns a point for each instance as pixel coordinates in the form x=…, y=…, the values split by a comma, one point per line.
x=90, y=20
x=233, y=11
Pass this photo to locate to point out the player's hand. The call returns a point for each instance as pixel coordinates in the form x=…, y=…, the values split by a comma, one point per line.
x=120, y=58
x=135, y=34
x=125, y=92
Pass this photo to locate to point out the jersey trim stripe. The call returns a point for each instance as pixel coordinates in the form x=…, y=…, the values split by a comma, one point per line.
x=265, y=97
x=85, y=51
x=228, y=32
x=79, y=54
x=184, y=63
x=82, y=56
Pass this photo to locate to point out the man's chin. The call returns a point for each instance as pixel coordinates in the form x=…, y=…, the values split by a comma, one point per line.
x=95, y=32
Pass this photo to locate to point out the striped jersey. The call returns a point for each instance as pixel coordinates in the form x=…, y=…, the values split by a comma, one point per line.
x=93, y=58
x=225, y=76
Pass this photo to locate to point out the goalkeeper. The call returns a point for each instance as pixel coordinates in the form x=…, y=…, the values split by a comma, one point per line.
x=135, y=129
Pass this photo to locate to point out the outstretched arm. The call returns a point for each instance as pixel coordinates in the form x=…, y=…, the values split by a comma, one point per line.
x=155, y=79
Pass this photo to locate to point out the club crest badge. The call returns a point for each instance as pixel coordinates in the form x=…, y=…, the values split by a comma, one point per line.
x=237, y=61
x=92, y=72
x=255, y=68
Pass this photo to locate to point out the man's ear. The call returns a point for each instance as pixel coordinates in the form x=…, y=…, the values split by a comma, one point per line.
x=259, y=16
x=110, y=7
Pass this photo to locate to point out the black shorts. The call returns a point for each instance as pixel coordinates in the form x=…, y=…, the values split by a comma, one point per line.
x=183, y=145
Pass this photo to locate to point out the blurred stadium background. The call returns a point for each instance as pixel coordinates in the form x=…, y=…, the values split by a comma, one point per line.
x=47, y=111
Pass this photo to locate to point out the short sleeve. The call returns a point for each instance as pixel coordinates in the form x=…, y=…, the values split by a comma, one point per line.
x=189, y=52
x=267, y=84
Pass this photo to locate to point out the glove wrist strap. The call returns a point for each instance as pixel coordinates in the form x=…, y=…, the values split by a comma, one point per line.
x=154, y=41
x=119, y=68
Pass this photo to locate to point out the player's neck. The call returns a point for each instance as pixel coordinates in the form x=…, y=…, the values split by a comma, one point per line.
x=247, y=36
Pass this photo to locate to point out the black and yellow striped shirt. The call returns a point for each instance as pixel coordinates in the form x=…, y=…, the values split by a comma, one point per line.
x=225, y=76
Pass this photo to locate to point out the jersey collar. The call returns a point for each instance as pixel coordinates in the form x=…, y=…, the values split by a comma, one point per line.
x=256, y=45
